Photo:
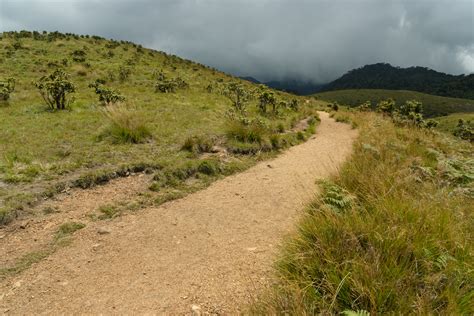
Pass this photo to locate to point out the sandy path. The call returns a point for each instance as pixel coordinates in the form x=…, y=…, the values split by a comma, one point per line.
x=213, y=249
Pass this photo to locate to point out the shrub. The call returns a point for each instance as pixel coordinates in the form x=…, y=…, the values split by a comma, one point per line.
x=124, y=73
x=246, y=130
x=431, y=124
x=17, y=45
x=464, y=131
x=55, y=88
x=266, y=98
x=107, y=96
x=127, y=125
x=238, y=95
x=165, y=85
x=6, y=88
x=198, y=144
x=386, y=106
x=365, y=107
x=294, y=105
x=209, y=167
x=79, y=56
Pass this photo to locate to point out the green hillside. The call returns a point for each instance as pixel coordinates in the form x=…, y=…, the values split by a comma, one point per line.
x=432, y=105
x=449, y=123
x=44, y=150
x=421, y=79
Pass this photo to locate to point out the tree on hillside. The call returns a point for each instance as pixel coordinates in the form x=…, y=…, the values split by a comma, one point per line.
x=54, y=89
x=239, y=96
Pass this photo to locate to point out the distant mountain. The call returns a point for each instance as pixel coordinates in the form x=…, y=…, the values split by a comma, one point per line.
x=421, y=79
x=295, y=86
x=251, y=79
x=291, y=86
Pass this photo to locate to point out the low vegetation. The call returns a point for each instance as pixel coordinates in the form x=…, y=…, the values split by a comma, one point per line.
x=434, y=106
x=46, y=149
x=107, y=96
x=54, y=89
x=392, y=234
x=126, y=125
x=6, y=88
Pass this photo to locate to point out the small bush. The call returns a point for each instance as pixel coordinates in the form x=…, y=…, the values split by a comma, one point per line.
x=386, y=106
x=246, y=130
x=55, y=88
x=464, y=131
x=198, y=144
x=294, y=105
x=127, y=125
x=107, y=96
x=124, y=73
x=267, y=98
x=365, y=107
x=165, y=85
x=79, y=56
x=209, y=167
x=6, y=88
x=238, y=95
x=67, y=229
x=109, y=211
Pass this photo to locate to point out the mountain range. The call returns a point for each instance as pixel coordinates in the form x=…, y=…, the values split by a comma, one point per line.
x=386, y=76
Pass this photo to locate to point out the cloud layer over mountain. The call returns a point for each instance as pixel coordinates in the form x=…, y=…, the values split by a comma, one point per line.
x=316, y=40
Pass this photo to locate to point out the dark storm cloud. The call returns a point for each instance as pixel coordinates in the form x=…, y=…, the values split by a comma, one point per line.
x=272, y=39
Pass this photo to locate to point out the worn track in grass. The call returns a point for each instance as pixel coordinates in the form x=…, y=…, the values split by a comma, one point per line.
x=210, y=251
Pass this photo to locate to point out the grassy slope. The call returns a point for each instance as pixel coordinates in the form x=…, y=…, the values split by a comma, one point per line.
x=449, y=123
x=391, y=234
x=39, y=147
x=433, y=105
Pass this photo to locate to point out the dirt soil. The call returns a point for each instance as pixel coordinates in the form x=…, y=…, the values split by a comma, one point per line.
x=210, y=252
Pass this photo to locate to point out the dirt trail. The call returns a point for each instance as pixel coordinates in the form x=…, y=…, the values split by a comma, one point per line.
x=210, y=251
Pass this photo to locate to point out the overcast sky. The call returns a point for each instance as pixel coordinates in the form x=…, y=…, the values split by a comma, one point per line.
x=315, y=40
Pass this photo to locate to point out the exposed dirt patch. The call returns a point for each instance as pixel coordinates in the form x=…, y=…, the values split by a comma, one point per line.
x=208, y=252
x=35, y=233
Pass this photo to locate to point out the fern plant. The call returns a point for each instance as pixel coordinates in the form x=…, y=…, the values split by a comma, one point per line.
x=336, y=198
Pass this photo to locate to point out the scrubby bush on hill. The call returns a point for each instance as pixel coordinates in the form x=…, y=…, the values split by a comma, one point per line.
x=169, y=85
x=6, y=88
x=365, y=107
x=238, y=95
x=124, y=73
x=267, y=98
x=464, y=130
x=106, y=95
x=79, y=55
x=54, y=89
x=386, y=106
x=294, y=105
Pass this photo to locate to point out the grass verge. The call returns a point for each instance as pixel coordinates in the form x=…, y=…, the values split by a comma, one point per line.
x=392, y=234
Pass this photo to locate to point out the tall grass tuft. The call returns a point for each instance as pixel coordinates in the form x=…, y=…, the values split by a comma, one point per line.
x=392, y=234
x=126, y=125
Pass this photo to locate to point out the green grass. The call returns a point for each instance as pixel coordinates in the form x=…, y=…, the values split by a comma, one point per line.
x=25, y=262
x=44, y=151
x=68, y=229
x=449, y=123
x=392, y=234
x=433, y=105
